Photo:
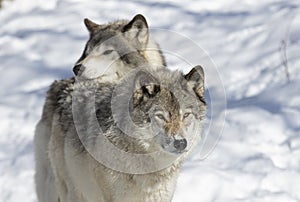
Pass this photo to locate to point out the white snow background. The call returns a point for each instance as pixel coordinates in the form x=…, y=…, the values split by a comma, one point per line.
x=257, y=158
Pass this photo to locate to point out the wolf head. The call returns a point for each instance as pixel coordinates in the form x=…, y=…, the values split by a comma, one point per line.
x=115, y=48
x=167, y=108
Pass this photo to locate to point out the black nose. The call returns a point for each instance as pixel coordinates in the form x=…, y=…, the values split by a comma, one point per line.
x=180, y=144
x=77, y=69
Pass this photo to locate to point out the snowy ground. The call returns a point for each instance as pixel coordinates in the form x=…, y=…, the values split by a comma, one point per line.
x=257, y=158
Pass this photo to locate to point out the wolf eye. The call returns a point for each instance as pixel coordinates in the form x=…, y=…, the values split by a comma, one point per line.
x=107, y=52
x=160, y=116
x=187, y=114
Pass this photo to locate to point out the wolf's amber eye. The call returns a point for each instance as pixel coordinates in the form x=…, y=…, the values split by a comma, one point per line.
x=185, y=115
x=107, y=52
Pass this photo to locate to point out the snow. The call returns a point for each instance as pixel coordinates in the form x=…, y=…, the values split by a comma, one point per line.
x=239, y=44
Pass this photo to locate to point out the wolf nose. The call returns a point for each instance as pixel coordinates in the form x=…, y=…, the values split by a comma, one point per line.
x=77, y=69
x=180, y=144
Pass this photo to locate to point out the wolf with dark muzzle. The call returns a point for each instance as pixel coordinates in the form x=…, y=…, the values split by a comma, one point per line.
x=125, y=141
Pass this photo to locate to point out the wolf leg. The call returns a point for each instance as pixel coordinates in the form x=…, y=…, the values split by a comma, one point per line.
x=44, y=177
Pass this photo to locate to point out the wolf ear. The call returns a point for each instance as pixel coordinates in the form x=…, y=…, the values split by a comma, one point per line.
x=145, y=87
x=195, y=79
x=137, y=29
x=91, y=26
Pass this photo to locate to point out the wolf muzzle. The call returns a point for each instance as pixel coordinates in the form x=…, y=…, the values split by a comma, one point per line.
x=180, y=144
x=78, y=69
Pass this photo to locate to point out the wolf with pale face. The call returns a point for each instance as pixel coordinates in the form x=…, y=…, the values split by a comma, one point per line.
x=112, y=50
x=116, y=48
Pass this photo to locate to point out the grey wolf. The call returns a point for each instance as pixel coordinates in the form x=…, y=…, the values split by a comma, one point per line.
x=116, y=48
x=111, y=50
x=165, y=109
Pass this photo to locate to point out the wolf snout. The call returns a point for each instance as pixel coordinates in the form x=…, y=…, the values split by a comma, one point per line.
x=180, y=144
x=77, y=69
